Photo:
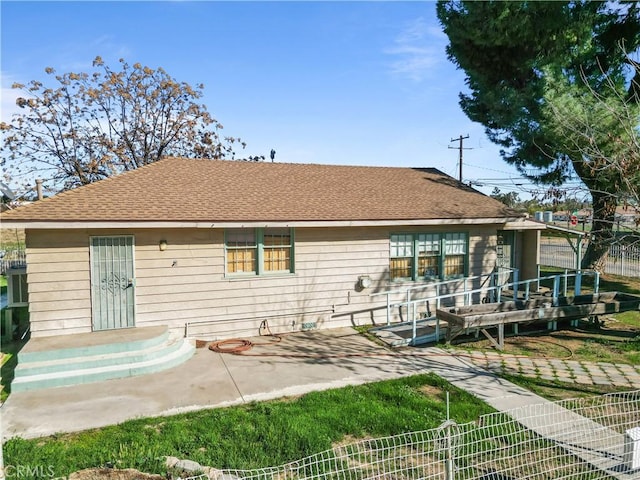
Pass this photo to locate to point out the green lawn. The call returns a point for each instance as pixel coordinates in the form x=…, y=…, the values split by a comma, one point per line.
x=259, y=434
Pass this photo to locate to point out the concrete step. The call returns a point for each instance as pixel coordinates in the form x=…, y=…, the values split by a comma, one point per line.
x=90, y=360
x=90, y=344
x=95, y=368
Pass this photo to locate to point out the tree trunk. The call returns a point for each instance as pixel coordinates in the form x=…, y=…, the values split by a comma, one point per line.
x=602, y=236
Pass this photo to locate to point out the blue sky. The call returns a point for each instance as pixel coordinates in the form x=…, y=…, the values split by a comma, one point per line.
x=360, y=83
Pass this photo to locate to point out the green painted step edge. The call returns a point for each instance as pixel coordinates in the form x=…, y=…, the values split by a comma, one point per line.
x=78, y=363
x=93, y=377
x=102, y=349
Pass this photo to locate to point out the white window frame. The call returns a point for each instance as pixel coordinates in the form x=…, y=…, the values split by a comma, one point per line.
x=23, y=290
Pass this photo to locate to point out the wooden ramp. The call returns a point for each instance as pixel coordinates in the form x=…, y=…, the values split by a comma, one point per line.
x=483, y=316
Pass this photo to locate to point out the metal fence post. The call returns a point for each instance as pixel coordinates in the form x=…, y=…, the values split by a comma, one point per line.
x=449, y=467
x=556, y=289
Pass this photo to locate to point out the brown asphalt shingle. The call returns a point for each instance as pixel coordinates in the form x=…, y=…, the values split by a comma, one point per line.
x=178, y=189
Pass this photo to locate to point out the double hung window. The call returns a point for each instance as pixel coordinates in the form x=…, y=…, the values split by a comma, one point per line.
x=258, y=251
x=419, y=256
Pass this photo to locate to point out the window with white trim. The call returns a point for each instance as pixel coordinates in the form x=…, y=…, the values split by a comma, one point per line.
x=419, y=256
x=17, y=287
x=258, y=251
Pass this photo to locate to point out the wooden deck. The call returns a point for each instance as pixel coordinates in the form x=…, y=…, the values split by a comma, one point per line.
x=481, y=317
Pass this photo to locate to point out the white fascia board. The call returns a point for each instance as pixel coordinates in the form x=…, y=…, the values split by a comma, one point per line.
x=567, y=231
x=524, y=224
x=47, y=225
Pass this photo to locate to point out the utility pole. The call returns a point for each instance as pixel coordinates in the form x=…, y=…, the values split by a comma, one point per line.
x=460, y=148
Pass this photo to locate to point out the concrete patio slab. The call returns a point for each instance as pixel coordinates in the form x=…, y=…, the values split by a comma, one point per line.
x=298, y=364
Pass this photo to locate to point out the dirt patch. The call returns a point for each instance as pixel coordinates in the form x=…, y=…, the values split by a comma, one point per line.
x=113, y=474
x=609, y=341
x=431, y=391
x=348, y=440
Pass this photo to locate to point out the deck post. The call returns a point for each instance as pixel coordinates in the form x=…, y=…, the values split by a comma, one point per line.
x=464, y=289
x=388, y=310
x=556, y=289
x=516, y=279
x=414, y=332
x=578, y=286
x=411, y=310
x=578, y=254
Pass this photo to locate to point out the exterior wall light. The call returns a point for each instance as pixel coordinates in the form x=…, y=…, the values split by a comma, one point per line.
x=364, y=281
x=162, y=245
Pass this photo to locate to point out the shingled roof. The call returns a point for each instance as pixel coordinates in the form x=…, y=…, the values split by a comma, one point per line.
x=215, y=191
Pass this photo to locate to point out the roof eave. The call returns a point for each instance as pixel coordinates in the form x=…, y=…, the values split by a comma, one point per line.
x=55, y=225
x=524, y=224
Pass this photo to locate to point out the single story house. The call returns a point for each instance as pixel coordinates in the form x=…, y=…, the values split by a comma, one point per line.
x=232, y=248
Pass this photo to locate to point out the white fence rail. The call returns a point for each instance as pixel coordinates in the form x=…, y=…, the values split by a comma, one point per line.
x=623, y=260
x=581, y=439
x=419, y=303
x=12, y=259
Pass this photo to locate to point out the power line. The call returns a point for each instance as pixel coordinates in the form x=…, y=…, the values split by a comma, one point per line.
x=460, y=148
x=487, y=168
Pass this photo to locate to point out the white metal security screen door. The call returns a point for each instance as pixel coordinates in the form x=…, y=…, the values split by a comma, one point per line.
x=504, y=254
x=112, y=282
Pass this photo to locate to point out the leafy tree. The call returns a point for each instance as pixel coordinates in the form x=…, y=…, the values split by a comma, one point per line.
x=510, y=199
x=89, y=126
x=520, y=58
x=601, y=126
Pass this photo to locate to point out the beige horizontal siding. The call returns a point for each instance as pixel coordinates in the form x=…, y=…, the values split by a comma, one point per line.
x=37, y=319
x=54, y=287
x=54, y=266
x=59, y=286
x=187, y=282
x=61, y=295
x=178, y=271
